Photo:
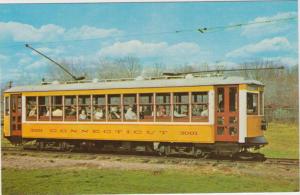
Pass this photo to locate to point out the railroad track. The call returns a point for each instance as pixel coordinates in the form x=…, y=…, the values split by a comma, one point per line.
x=146, y=157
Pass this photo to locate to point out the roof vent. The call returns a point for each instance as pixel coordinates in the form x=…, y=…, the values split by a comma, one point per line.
x=189, y=76
x=95, y=80
x=139, y=78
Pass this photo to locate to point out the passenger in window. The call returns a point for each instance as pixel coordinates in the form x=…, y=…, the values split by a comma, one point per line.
x=205, y=111
x=196, y=110
x=57, y=112
x=161, y=111
x=178, y=115
x=46, y=112
x=32, y=111
x=130, y=115
x=72, y=111
x=114, y=113
x=99, y=114
x=82, y=115
x=142, y=115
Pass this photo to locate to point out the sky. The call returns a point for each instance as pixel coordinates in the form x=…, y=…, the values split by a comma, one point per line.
x=85, y=33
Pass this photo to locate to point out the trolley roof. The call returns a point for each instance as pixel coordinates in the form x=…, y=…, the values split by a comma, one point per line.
x=183, y=82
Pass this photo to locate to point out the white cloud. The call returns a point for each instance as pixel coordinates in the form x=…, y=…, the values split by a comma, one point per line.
x=285, y=61
x=89, y=32
x=268, y=28
x=3, y=59
x=50, y=32
x=37, y=64
x=266, y=45
x=184, y=52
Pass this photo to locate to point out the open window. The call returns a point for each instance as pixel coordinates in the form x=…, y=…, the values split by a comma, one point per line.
x=57, y=108
x=146, y=107
x=114, y=107
x=31, y=108
x=181, y=107
x=44, y=108
x=130, y=107
x=252, y=103
x=70, y=108
x=200, y=107
x=99, y=108
x=163, y=107
x=84, y=107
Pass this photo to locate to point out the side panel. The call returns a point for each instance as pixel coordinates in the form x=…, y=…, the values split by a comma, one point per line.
x=6, y=127
x=254, y=126
x=132, y=132
x=242, y=115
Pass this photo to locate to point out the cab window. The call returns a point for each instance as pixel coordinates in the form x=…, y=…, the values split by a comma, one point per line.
x=6, y=106
x=252, y=103
x=31, y=108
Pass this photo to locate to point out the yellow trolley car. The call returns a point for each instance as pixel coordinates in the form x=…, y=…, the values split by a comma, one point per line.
x=190, y=115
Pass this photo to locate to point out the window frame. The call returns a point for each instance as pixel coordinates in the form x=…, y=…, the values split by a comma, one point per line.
x=256, y=113
x=95, y=106
x=164, y=105
x=85, y=105
x=181, y=118
x=6, y=106
x=150, y=103
x=202, y=103
x=31, y=118
x=44, y=118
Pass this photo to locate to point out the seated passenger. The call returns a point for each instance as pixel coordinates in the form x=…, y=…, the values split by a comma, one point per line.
x=114, y=113
x=82, y=115
x=32, y=111
x=98, y=114
x=72, y=112
x=196, y=110
x=57, y=112
x=130, y=115
x=178, y=115
x=161, y=111
x=205, y=111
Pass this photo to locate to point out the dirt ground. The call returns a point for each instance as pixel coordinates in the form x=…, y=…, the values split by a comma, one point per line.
x=26, y=161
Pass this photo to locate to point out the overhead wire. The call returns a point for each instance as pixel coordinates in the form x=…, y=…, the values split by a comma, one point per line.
x=201, y=30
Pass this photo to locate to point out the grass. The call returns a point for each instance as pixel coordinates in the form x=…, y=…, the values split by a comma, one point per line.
x=283, y=141
x=87, y=181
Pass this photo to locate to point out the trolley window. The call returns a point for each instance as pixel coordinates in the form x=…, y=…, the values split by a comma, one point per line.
x=114, y=107
x=99, y=107
x=199, y=106
x=84, y=107
x=163, y=107
x=70, y=108
x=6, y=106
x=252, y=103
x=44, y=108
x=181, y=107
x=31, y=108
x=57, y=108
x=146, y=107
x=130, y=107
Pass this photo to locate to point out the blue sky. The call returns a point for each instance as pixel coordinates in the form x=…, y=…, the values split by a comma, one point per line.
x=118, y=29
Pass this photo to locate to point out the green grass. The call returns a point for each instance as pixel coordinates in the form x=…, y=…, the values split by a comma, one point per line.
x=87, y=181
x=283, y=141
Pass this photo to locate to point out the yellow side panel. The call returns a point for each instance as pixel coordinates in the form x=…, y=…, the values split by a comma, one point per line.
x=122, y=91
x=254, y=126
x=130, y=132
x=6, y=127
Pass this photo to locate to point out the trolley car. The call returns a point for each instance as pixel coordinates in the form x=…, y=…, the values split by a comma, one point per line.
x=187, y=115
